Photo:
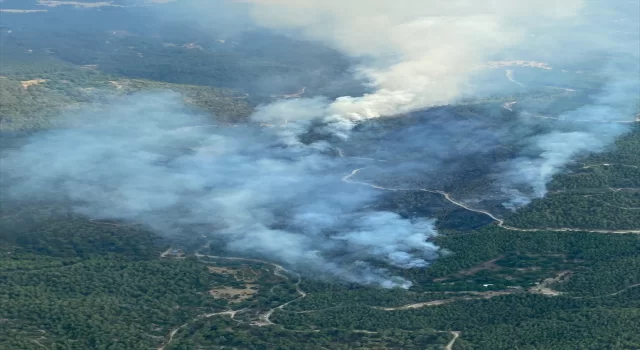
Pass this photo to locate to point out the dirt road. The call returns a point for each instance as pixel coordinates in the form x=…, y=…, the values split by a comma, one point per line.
x=456, y=335
x=264, y=319
x=500, y=222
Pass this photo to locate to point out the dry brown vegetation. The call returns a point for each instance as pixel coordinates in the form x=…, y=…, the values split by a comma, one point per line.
x=243, y=274
x=544, y=287
x=235, y=295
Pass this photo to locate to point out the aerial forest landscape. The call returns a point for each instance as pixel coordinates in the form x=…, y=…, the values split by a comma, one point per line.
x=319, y=174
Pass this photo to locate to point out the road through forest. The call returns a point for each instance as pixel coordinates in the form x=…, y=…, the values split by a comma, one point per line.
x=278, y=270
x=500, y=222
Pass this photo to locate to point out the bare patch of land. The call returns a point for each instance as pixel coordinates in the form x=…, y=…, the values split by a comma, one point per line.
x=27, y=83
x=487, y=265
x=234, y=295
x=478, y=295
x=544, y=287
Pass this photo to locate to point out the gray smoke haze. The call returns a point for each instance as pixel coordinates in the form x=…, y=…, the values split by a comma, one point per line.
x=611, y=32
x=590, y=128
x=267, y=191
x=146, y=159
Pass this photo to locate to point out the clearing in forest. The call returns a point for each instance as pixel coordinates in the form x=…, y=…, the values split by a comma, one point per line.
x=235, y=295
x=27, y=83
x=238, y=293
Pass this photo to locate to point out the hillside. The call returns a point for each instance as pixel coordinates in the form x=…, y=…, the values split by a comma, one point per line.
x=562, y=272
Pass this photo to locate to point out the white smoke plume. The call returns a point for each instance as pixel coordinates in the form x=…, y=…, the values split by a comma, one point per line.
x=613, y=32
x=588, y=129
x=418, y=53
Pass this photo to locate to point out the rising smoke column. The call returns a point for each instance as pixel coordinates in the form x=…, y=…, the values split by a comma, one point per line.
x=418, y=54
x=610, y=32
x=591, y=128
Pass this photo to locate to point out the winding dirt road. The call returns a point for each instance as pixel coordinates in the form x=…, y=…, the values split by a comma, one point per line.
x=500, y=222
x=172, y=334
x=264, y=319
x=456, y=335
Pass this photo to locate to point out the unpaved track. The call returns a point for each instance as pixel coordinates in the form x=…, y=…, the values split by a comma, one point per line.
x=481, y=295
x=39, y=343
x=617, y=206
x=587, y=166
x=620, y=291
x=611, y=294
x=500, y=222
x=456, y=335
x=278, y=267
x=264, y=319
x=172, y=334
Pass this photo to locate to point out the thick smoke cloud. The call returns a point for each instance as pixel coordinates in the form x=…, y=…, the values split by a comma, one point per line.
x=421, y=53
x=146, y=159
x=418, y=54
x=268, y=191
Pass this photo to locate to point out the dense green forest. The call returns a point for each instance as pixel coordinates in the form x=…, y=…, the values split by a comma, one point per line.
x=79, y=284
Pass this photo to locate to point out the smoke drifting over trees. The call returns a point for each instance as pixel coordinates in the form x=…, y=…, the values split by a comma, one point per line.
x=268, y=192
x=147, y=160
